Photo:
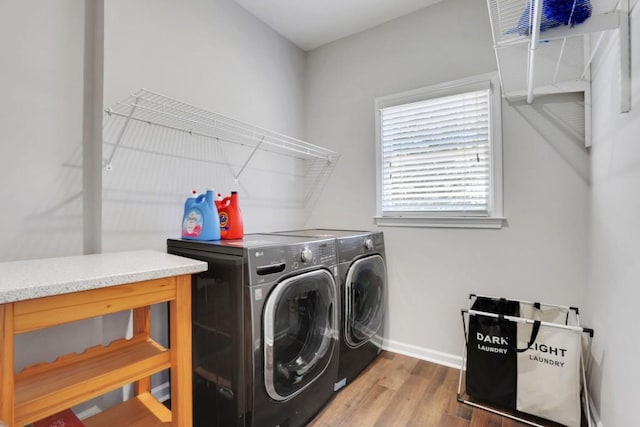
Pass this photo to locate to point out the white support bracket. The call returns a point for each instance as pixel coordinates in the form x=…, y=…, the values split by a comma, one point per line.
x=109, y=163
x=237, y=176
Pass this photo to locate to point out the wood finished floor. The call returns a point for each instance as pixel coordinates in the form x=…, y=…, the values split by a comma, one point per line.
x=397, y=390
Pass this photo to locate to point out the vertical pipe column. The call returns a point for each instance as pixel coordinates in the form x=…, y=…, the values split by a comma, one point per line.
x=625, y=57
x=533, y=45
x=586, y=75
x=92, y=127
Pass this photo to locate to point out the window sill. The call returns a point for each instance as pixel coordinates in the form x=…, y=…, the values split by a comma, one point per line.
x=441, y=222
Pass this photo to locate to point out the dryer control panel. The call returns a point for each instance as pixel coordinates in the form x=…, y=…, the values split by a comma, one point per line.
x=350, y=248
x=267, y=264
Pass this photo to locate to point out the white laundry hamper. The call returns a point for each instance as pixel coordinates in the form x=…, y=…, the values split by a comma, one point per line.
x=524, y=358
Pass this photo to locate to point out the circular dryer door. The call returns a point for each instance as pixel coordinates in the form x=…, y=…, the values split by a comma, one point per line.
x=300, y=332
x=364, y=300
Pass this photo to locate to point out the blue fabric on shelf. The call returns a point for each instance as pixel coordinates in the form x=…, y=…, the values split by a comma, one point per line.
x=554, y=14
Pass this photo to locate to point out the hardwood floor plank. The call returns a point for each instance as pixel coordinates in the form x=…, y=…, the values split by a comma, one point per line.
x=371, y=408
x=352, y=394
x=404, y=402
x=423, y=369
x=482, y=418
x=400, y=391
x=432, y=407
x=332, y=415
x=438, y=375
x=463, y=411
x=350, y=398
x=397, y=371
x=449, y=421
x=455, y=408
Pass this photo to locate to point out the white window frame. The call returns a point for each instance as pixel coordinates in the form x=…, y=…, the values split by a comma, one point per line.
x=494, y=217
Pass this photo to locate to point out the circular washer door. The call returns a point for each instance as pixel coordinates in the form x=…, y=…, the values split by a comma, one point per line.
x=364, y=299
x=300, y=332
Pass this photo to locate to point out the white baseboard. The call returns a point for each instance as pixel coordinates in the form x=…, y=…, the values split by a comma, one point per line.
x=422, y=353
x=162, y=392
x=89, y=412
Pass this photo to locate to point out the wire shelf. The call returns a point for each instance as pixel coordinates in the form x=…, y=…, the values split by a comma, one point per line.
x=153, y=108
x=150, y=127
x=543, y=46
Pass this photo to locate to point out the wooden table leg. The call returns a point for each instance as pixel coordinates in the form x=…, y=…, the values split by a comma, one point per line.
x=180, y=333
x=7, y=396
x=142, y=326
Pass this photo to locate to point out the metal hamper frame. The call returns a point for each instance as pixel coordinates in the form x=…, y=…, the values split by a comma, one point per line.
x=585, y=393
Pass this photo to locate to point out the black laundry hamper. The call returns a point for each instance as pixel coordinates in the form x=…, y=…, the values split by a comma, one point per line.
x=524, y=358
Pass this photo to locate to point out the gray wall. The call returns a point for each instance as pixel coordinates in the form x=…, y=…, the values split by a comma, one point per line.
x=541, y=252
x=41, y=52
x=614, y=267
x=212, y=54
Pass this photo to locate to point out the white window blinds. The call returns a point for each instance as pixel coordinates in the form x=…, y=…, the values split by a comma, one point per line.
x=436, y=155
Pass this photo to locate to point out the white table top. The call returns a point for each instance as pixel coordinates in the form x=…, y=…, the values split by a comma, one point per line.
x=22, y=280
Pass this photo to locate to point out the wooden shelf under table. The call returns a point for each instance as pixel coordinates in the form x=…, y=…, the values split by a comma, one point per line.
x=141, y=411
x=75, y=378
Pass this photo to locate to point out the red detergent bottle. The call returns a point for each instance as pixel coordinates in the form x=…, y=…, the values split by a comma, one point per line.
x=230, y=218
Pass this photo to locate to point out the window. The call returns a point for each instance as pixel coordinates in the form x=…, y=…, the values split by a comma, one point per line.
x=439, y=161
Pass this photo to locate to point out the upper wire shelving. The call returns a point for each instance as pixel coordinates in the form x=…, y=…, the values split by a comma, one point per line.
x=537, y=55
x=156, y=109
x=203, y=148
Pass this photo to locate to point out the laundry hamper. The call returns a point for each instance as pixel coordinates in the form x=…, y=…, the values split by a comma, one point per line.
x=524, y=358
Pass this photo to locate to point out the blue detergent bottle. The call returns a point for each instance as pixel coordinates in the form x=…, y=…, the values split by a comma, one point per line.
x=200, y=220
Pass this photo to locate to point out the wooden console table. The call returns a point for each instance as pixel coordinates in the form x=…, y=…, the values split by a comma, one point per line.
x=38, y=294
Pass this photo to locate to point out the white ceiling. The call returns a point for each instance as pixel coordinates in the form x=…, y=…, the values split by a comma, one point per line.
x=312, y=23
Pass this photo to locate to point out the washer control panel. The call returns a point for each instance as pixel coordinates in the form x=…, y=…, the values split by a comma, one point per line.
x=269, y=263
